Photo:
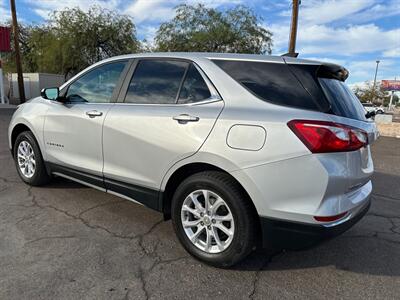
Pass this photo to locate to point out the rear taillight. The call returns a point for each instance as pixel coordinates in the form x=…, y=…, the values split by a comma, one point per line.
x=324, y=136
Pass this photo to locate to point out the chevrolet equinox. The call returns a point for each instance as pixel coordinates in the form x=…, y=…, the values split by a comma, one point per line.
x=238, y=150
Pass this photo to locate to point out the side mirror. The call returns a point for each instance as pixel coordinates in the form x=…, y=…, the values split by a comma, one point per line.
x=50, y=93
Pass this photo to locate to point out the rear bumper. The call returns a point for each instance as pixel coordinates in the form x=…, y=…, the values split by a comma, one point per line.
x=282, y=234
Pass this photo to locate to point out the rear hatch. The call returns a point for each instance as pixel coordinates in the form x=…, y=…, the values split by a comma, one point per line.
x=318, y=87
x=325, y=82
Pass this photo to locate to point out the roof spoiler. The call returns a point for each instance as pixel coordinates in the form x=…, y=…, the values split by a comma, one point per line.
x=328, y=70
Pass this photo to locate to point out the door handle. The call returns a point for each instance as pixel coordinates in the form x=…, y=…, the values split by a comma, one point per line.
x=94, y=113
x=184, y=118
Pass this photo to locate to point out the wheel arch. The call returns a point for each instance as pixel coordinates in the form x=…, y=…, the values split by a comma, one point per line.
x=185, y=171
x=16, y=130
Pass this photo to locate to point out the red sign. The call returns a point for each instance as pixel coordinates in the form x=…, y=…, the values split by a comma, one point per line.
x=391, y=85
x=5, y=35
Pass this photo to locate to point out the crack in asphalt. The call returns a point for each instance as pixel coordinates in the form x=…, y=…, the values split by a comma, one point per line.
x=35, y=203
x=378, y=234
x=50, y=238
x=25, y=218
x=100, y=205
x=143, y=272
x=257, y=278
x=385, y=196
x=6, y=180
x=262, y=267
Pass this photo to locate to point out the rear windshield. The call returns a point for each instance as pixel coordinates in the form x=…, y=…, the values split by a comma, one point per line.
x=295, y=85
x=344, y=102
x=272, y=82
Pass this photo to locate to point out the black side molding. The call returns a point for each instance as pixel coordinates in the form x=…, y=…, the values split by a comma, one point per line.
x=80, y=175
x=144, y=195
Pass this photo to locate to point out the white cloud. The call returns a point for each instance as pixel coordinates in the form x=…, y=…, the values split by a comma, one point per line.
x=161, y=10
x=347, y=41
x=365, y=69
x=148, y=14
x=150, y=10
x=392, y=52
x=4, y=12
x=342, y=41
x=354, y=11
x=44, y=7
x=323, y=12
x=147, y=32
x=376, y=11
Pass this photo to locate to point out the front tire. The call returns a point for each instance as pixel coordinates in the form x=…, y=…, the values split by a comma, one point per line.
x=28, y=160
x=214, y=219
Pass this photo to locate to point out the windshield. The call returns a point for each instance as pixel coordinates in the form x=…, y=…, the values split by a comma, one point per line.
x=343, y=101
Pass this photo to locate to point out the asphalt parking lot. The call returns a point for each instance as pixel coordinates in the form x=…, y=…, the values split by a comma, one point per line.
x=67, y=241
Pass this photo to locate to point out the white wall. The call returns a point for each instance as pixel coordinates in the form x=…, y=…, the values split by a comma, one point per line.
x=33, y=84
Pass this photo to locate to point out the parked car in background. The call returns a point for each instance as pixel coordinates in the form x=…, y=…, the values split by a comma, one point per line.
x=369, y=107
x=239, y=150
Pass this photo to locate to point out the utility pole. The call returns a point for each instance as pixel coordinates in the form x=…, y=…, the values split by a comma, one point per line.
x=17, y=53
x=3, y=97
x=293, y=28
x=373, y=86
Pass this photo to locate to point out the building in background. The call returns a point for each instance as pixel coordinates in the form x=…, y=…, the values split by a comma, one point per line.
x=391, y=86
x=33, y=84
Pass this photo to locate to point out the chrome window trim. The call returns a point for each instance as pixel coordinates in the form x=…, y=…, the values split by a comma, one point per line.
x=205, y=101
x=215, y=96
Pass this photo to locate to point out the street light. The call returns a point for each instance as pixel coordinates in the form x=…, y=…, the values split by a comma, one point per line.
x=373, y=86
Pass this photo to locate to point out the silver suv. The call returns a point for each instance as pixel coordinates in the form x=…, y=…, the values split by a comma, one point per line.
x=239, y=150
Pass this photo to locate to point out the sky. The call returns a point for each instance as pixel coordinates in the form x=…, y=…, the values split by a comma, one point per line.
x=353, y=33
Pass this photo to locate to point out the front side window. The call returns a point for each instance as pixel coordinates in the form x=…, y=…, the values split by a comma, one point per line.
x=96, y=86
x=156, y=82
x=194, y=89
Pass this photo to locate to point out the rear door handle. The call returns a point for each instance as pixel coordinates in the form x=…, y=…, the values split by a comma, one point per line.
x=94, y=113
x=184, y=118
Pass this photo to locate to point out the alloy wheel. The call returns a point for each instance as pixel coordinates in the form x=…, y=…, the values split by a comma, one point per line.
x=207, y=221
x=26, y=159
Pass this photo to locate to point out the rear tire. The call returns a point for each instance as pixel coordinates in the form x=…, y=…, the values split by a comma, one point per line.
x=222, y=233
x=28, y=160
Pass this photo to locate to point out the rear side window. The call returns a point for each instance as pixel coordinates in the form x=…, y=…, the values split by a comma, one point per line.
x=344, y=102
x=156, y=82
x=340, y=99
x=272, y=82
x=194, y=89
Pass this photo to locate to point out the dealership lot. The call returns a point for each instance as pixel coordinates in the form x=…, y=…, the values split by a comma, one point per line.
x=71, y=242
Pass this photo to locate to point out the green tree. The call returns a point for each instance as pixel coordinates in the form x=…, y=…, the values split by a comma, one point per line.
x=72, y=40
x=202, y=29
x=28, y=63
x=369, y=93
